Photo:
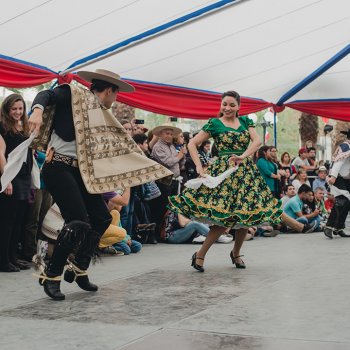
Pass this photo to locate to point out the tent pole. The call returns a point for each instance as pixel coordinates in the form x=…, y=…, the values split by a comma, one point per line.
x=275, y=128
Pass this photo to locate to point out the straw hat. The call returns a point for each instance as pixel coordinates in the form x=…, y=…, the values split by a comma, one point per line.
x=321, y=168
x=106, y=75
x=158, y=129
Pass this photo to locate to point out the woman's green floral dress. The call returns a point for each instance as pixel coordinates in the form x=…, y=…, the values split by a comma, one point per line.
x=241, y=200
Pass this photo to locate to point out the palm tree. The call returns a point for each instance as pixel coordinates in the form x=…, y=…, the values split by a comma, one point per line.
x=308, y=128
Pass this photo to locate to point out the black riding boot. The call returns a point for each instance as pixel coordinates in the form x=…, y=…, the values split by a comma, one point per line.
x=76, y=270
x=67, y=241
x=74, y=273
x=51, y=285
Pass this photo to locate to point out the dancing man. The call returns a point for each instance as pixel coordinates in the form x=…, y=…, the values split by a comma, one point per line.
x=86, y=148
x=339, y=180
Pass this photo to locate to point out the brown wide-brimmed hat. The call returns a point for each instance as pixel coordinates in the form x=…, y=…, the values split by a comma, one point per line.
x=158, y=129
x=106, y=75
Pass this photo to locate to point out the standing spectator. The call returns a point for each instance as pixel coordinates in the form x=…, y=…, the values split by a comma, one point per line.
x=14, y=130
x=268, y=170
x=302, y=162
x=127, y=126
x=35, y=215
x=320, y=180
x=311, y=157
x=301, y=179
x=164, y=152
x=204, y=153
x=286, y=164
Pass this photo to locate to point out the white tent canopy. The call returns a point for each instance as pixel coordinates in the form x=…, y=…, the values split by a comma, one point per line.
x=262, y=49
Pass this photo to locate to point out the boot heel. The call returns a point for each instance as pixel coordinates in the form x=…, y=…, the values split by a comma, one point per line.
x=69, y=276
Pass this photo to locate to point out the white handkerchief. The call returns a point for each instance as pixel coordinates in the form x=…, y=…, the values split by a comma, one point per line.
x=210, y=181
x=14, y=162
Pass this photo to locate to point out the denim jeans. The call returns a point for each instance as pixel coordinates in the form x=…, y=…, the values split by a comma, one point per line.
x=318, y=220
x=185, y=233
x=126, y=249
x=302, y=220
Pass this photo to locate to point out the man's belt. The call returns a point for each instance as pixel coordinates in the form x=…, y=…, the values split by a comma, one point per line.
x=57, y=157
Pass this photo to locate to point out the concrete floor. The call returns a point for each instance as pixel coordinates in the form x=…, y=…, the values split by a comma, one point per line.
x=293, y=295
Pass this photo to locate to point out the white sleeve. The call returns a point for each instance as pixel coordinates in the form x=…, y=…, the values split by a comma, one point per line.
x=336, y=167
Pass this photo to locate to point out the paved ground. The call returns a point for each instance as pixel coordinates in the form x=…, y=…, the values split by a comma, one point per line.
x=294, y=294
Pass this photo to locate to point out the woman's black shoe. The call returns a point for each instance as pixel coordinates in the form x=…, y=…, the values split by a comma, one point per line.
x=196, y=266
x=73, y=273
x=51, y=286
x=21, y=265
x=9, y=268
x=238, y=265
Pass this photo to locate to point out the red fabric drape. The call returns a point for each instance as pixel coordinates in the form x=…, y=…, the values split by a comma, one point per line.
x=334, y=109
x=182, y=102
x=18, y=75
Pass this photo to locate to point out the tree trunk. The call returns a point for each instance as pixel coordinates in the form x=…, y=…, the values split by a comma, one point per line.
x=122, y=111
x=308, y=128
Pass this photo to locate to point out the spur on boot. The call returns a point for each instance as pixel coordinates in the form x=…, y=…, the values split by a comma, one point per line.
x=74, y=273
x=195, y=265
x=51, y=286
x=239, y=265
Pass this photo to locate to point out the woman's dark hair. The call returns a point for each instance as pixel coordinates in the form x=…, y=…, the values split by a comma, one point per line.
x=262, y=151
x=101, y=85
x=233, y=94
x=283, y=154
x=140, y=138
x=214, y=151
x=186, y=135
x=203, y=144
x=8, y=123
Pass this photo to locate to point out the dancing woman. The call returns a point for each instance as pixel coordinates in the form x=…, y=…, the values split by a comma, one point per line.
x=243, y=199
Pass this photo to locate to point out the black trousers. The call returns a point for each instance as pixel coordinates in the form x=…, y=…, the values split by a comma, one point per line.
x=12, y=212
x=341, y=207
x=158, y=206
x=68, y=191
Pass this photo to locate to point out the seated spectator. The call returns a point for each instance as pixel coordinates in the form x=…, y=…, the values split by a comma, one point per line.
x=320, y=180
x=319, y=194
x=288, y=195
x=113, y=235
x=127, y=246
x=329, y=202
x=301, y=179
x=294, y=207
x=311, y=211
x=179, y=229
